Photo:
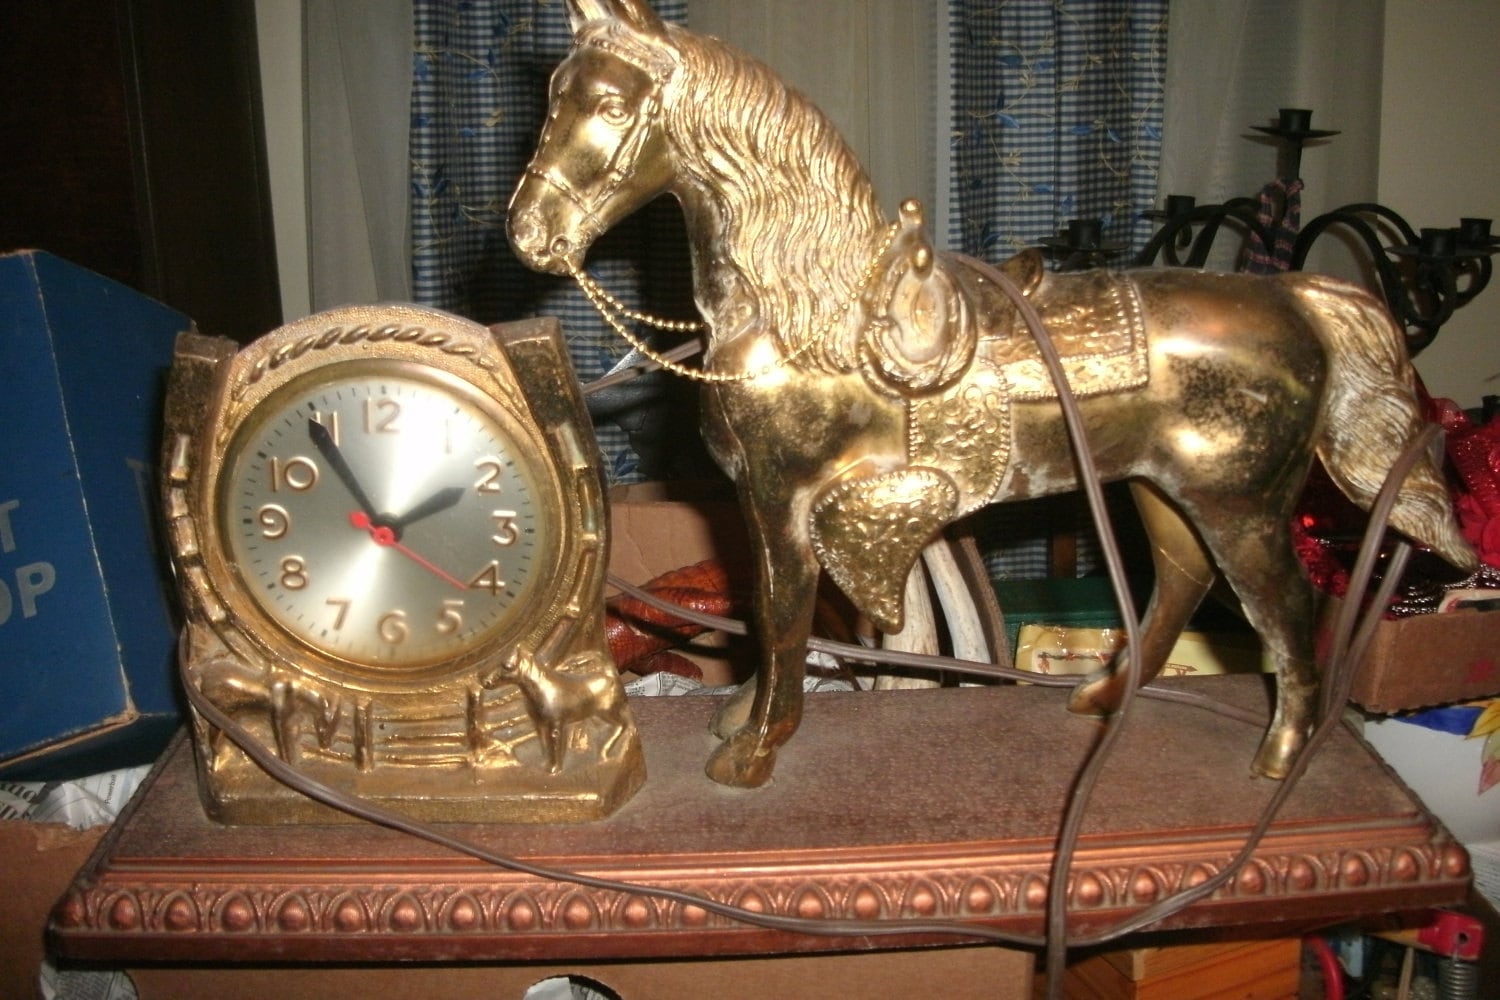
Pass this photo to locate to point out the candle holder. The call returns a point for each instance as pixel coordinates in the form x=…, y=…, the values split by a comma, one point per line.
x=1081, y=245
x=1474, y=234
x=1294, y=128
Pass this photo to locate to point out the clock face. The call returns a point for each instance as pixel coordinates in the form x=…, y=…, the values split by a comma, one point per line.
x=386, y=515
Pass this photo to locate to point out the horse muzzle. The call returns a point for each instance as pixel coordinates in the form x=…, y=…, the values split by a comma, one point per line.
x=537, y=246
x=550, y=228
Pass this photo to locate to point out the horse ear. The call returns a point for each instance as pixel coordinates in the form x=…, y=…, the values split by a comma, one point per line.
x=636, y=13
x=581, y=12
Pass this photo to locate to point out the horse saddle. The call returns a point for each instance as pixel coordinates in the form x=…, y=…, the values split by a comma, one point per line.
x=931, y=315
x=947, y=341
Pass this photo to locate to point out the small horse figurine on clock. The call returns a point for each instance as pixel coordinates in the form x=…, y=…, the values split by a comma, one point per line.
x=863, y=389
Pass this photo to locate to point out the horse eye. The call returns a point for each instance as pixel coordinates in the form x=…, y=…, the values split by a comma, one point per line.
x=614, y=111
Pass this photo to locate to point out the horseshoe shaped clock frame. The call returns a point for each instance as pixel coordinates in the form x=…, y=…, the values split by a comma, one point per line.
x=389, y=531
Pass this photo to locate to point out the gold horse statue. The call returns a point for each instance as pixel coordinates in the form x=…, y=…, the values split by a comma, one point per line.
x=863, y=390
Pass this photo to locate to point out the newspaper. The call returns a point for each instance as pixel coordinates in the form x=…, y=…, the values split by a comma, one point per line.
x=83, y=803
x=1485, y=859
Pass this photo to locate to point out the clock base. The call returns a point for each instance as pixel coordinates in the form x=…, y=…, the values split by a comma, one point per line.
x=517, y=789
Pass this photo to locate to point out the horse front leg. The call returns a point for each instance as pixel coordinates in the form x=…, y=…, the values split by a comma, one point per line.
x=765, y=713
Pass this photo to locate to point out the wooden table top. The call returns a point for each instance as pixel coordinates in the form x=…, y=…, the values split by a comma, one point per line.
x=931, y=805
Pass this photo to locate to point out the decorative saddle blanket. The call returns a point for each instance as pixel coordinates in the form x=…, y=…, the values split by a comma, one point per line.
x=1095, y=321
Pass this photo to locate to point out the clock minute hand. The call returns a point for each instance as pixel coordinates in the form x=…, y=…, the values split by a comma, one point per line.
x=323, y=440
x=439, y=501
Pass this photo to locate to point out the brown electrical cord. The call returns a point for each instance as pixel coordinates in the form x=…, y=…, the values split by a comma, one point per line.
x=925, y=661
x=1345, y=651
x=1088, y=776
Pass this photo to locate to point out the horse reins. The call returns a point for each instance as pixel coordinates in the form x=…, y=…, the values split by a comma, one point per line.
x=611, y=309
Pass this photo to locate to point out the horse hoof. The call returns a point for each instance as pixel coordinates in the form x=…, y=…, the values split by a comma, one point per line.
x=737, y=765
x=1097, y=696
x=1277, y=753
x=734, y=713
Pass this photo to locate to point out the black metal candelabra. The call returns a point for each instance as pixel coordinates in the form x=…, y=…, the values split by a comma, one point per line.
x=1423, y=275
x=1081, y=245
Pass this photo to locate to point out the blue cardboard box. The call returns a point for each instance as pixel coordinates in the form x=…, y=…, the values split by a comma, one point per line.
x=87, y=637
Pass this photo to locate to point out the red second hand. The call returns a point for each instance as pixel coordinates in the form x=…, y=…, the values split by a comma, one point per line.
x=384, y=536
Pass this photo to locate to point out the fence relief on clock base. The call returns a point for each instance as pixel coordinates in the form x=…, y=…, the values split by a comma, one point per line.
x=472, y=755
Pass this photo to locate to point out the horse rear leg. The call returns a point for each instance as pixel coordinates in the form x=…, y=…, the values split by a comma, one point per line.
x=1183, y=575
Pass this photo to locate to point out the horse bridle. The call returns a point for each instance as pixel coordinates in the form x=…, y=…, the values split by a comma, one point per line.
x=623, y=161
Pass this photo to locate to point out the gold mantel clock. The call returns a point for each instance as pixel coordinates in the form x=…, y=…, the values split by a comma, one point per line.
x=388, y=526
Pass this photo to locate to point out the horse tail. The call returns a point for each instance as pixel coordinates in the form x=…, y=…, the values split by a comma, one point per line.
x=1370, y=413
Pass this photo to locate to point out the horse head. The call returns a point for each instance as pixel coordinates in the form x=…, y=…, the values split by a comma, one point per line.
x=603, y=152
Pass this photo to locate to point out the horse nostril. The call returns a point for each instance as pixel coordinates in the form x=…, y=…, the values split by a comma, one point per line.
x=561, y=247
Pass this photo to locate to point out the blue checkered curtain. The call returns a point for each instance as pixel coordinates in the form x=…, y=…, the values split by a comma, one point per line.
x=479, y=87
x=1057, y=112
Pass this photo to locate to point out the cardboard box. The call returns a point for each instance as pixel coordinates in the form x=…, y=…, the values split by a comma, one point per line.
x=1089, y=603
x=40, y=862
x=1247, y=970
x=1065, y=626
x=86, y=635
x=1427, y=660
x=1059, y=649
x=1068, y=626
x=656, y=528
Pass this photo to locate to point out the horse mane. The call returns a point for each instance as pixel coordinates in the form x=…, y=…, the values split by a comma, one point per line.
x=802, y=209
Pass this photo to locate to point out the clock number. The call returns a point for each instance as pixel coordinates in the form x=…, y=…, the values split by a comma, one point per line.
x=298, y=474
x=392, y=627
x=293, y=573
x=342, y=604
x=489, y=482
x=274, y=521
x=380, y=416
x=488, y=579
x=449, y=619
x=330, y=420
x=505, y=527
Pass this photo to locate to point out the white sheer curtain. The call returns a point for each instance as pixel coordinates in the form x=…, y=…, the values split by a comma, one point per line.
x=868, y=64
x=1232, y=63
x=358, y=86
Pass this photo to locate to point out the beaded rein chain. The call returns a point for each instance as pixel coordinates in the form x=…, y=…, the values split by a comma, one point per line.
x=613, y=310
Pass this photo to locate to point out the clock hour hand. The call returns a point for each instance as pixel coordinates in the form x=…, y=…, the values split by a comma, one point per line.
x=323, y=440
x=439, y=501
